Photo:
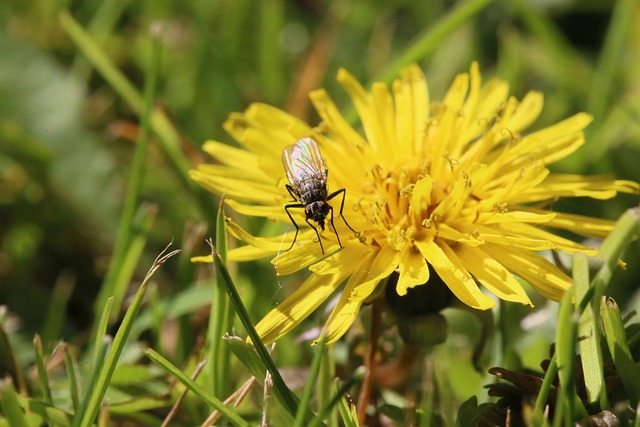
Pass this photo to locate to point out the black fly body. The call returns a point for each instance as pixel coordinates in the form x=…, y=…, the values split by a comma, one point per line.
x=307, y=177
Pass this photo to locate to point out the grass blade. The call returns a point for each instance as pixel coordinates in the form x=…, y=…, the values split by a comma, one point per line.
x=565, y=351
x=615, y=335
x=99, y=358
x=112, y=286
x=42, y=370
x=612, y=247
x=195, y=388
x=220, y=319
x=10, y=354
x=70, y=366
x=248, y=357
x=338, y=398
x=56, y=310
x=10, y=406
x=589, y=342
x=98, y=392
x=169, y=138
x=278, y=383
x=101, y=332
x=311, y=383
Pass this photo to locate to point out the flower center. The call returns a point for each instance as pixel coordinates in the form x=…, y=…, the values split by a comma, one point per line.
x=389, y=205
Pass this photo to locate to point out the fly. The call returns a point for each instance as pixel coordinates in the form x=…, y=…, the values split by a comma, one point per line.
x=307, y=177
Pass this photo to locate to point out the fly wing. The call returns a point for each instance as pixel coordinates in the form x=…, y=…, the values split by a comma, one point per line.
x=303, y=161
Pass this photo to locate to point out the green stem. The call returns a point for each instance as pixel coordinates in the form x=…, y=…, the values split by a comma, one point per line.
x=278, y=382
x=125, y=231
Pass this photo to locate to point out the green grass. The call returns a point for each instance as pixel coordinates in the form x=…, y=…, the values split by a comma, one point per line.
x=103, y=108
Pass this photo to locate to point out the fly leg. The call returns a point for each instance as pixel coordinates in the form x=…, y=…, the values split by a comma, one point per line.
x=295, y=206
x=334, y=227
x=331, y=196
x=317, y=234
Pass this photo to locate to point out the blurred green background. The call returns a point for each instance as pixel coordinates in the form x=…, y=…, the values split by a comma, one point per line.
x=67, y=129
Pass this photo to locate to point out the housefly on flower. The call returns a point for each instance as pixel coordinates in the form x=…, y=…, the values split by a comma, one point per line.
x=307, y=177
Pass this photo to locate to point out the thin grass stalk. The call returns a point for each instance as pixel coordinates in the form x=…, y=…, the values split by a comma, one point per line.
x=99, y=358
x=565, y=345
x=57, y=308
x=219, y=319
x=341, y=391
x=118, y=285
x=70, y=367
x=169, y=138
x=101, y=331
x=427, y=390
x=157, y=316
x=42, y=370
x=10, y=354
x=314, y=371
x=278, y=382
x=234, y=399
x=325, y=384
x=124, y=238
x=101, y=22
x=178, y=403
x=196, y=388
x=271, y=64
x=543, y=393
x=119, y=341
x=348, y=412
x=193, y=235
x=627, y=226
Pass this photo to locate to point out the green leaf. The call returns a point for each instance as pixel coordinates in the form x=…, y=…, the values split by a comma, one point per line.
x=566, y=333
x=220, y=316
x=10, y=405
x=626, y=229
x=42, y=370
x=338, y=397
x=47, y=412
x=628, y=371
x=70, y=367
x=246, y=353
x=139, y=404
x=589, y=333
x=348, y=412
x=289, y=399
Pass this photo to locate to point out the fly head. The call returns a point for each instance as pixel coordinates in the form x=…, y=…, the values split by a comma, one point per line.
x=317, y=211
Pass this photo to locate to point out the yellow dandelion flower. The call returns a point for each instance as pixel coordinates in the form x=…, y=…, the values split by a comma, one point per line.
x=455, y=185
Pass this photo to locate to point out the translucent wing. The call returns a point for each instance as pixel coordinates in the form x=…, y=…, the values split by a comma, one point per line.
x=302, y=161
